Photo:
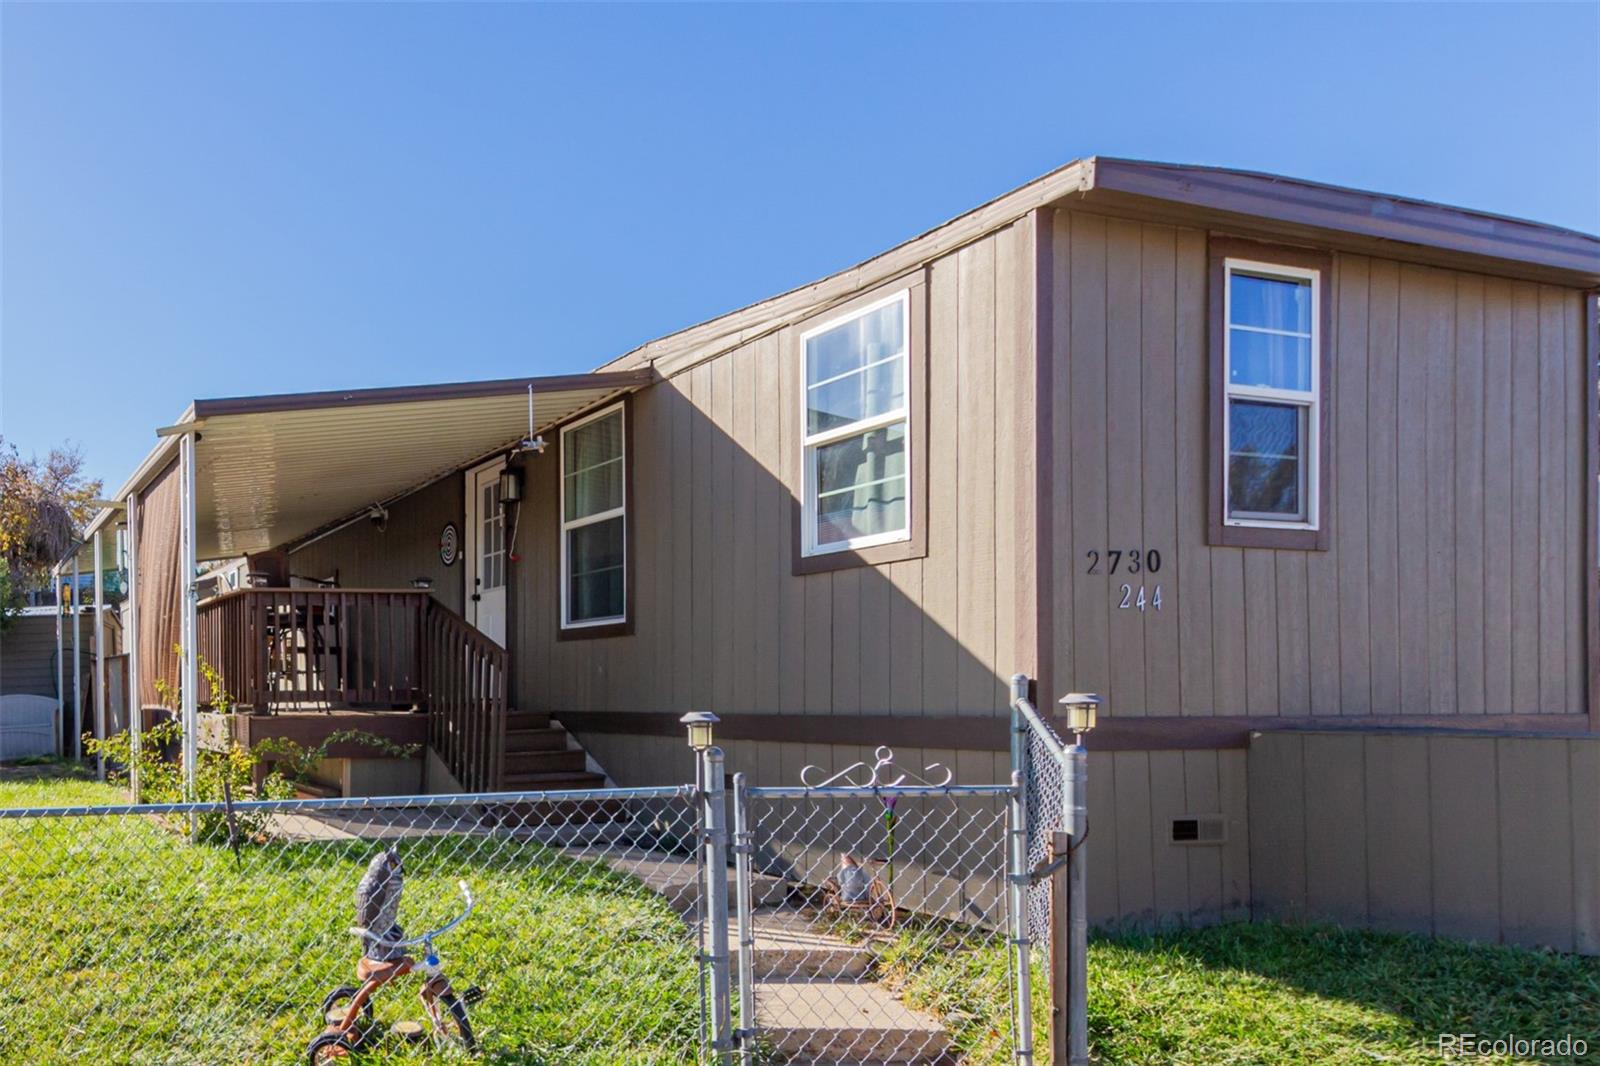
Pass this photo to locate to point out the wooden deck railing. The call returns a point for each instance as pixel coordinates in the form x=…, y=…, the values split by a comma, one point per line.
x=281, y=648
x=465, y=685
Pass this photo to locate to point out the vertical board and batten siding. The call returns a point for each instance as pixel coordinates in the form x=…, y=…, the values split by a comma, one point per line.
x=720, y=622
x=1489, y=838
x=28, y=653
x=1457, y=564
x=363, y=557
x=1137, y=876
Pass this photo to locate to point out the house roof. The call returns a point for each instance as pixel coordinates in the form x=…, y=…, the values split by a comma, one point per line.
x=275, y=469
x=1243, y=203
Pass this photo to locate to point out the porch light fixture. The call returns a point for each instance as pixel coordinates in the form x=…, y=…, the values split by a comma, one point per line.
x=699, y=724
x=1082, y=708
x=510, y=487
x=423, y=583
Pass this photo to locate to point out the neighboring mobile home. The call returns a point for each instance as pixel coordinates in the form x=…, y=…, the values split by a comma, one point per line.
x=1301, y=479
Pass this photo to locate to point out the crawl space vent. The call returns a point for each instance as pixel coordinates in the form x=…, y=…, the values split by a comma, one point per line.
x=1200, y=829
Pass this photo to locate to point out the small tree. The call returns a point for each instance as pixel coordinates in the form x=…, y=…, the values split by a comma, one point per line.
x=44, y=506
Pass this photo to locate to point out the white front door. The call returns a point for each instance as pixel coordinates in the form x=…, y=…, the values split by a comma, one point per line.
x=486, y=552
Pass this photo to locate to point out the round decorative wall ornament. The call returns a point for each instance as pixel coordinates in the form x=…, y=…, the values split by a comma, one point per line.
x=449, y=544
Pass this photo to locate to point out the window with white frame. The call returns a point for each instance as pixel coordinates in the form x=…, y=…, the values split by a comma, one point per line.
x=1272, y=352
x=856, y=427
x=594, y=520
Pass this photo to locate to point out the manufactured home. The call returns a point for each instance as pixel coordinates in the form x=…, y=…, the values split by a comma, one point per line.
x=1300, y=479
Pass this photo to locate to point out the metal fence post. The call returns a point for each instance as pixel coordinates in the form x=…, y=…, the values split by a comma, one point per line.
x=715, y=798
x=1017, y=874
x=743, y=853
x=1076, y=822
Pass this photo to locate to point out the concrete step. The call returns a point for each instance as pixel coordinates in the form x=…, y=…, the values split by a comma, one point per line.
x=846, y=1021
x=549, y=738
x=520, y=763
x=789, y=946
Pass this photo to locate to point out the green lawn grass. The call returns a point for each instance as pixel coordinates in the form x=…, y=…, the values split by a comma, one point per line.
x=122, y=943
x=1271, y=994
x=197, y=958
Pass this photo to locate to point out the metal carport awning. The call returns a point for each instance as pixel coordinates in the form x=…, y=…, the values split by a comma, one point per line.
x=260, y=472
x=271, y=470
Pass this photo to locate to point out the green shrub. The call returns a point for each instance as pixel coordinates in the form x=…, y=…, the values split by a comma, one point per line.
x=294, y=761
x=161, y=778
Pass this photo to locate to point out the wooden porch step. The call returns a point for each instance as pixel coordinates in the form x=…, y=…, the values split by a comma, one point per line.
x=544, y=762
x=539, y=780
x=549, y=738
x=516, y=721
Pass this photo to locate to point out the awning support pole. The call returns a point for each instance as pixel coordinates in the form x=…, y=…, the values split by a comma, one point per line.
x=77, y=667
x=130, y=640
x=61, y=661
x=189, y=678
x=99, y=653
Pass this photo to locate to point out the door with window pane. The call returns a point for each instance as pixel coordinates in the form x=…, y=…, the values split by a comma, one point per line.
x=486, y=552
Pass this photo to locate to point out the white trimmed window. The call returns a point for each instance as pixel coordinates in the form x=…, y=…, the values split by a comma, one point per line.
x=594, y=520
x=855, y=420
x=1272, y=349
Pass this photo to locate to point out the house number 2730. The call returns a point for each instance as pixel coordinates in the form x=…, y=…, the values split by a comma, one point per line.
x=1137, y=598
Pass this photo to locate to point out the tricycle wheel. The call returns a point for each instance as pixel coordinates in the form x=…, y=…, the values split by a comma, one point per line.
x=331, y=1006
x=455, y=1015
x=329, y=1047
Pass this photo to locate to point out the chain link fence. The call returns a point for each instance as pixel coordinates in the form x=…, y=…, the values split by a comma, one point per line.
x=1044, y=793
x=125, y=942
x=835, y=924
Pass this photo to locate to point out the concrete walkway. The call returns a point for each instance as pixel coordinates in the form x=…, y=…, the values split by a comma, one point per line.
x=817, y=1001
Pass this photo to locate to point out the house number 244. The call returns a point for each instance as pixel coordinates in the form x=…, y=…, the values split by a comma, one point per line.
x=1130, y=561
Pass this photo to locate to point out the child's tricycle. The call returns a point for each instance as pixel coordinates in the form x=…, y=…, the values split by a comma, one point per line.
x=347, y=1010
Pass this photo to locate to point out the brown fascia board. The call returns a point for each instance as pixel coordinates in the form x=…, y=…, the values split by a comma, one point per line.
x=1337, y=217
x=1244, y=202
x=623, y=380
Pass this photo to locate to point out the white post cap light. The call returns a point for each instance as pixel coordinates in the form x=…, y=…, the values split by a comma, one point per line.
x=1081, y=710
x=699, y=725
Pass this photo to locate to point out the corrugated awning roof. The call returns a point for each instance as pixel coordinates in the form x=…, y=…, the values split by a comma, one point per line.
x=271, y=470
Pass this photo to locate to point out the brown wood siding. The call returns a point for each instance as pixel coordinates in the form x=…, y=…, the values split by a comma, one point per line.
x=1454, y=578
x=407, y=548
x=1480, y=837
x=720, y=621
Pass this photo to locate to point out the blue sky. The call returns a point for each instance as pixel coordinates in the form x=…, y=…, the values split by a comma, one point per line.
x=209, y=200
